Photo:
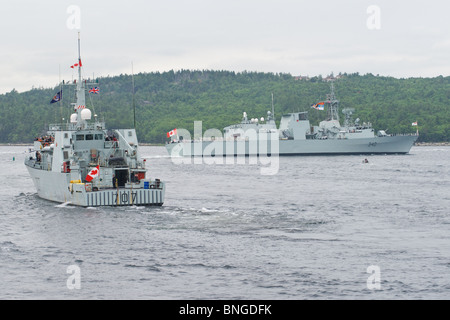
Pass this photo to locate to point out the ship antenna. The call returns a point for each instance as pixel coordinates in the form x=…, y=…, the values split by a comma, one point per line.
x=332, y=91
x=273, y=109
x=134, y=102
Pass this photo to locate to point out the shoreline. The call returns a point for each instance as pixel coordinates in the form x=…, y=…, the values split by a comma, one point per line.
x=417, y=144
x=31, y=145
x=432, y=144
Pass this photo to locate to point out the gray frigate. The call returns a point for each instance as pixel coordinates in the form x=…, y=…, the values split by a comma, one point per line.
x=295, y=136
x=84, y=164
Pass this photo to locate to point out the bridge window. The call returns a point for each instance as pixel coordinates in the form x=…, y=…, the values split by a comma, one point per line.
x=80, y=137
x=89, y=137
x=303, y=116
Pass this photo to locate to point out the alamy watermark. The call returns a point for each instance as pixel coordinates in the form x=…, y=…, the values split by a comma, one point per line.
x=74, y=19
x=374, y=280
x=242, y=147
x=74, y=280
x=374, y=20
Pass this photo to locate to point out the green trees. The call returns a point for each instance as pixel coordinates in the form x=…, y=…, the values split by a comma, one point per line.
x=175, y=99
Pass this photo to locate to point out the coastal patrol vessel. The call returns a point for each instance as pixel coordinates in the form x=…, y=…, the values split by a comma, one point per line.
x=295, y=136
x=82, y=163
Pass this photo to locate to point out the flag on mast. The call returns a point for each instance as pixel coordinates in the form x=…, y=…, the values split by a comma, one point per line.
x=171, y=133
x=79, y=64
x=319, y=106
x=57, y=97
x=414, y=124
x=95, y=90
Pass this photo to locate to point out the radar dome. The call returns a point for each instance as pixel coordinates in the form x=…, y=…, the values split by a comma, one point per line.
x=73, y=118
x=86, y=114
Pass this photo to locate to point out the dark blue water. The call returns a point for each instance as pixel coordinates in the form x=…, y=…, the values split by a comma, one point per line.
x=227, y=232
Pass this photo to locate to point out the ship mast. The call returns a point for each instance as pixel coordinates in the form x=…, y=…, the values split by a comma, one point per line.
x=333, y=109
x=81, y=94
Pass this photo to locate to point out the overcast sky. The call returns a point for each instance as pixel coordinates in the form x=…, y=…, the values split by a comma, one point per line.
x=387, y=37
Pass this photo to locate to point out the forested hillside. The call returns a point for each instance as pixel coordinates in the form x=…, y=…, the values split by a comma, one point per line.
x=176, y=99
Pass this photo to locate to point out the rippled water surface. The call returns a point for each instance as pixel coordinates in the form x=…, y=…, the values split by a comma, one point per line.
x=227, y=232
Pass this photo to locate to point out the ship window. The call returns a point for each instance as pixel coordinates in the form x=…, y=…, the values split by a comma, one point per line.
x=89, y=137
x=80, y=137
x=66, y=135
x=66, y=155
x=130, y=133
x=303, y=116
x=98, y=137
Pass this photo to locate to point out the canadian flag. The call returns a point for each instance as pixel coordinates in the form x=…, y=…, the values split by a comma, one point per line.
x=93, y=174
x=171, y=133
x=77, y=64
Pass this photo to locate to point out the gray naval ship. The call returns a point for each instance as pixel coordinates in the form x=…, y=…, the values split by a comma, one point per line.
x=82, y=163
x=295, y=136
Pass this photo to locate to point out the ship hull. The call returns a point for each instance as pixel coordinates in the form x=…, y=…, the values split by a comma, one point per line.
x=57, y=187
x=377, y=145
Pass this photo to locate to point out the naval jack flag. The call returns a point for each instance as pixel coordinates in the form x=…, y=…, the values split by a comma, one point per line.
x=57, y=97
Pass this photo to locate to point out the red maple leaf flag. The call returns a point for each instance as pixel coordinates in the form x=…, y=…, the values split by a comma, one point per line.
x=77, y=64
x=94, y=173
x=171, y=133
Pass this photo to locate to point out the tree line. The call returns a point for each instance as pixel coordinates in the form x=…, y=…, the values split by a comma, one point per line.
x=175, y=99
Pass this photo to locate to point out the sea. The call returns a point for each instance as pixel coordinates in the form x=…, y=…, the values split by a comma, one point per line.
x=319, y=228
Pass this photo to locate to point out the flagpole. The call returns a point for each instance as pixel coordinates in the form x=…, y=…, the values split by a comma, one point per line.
x=56, y=109
x=60, y=96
